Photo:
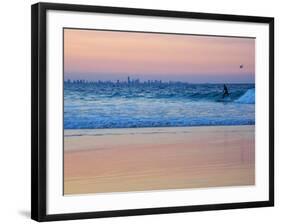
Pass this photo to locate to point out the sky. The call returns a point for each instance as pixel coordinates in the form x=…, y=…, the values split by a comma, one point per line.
x=112, y=55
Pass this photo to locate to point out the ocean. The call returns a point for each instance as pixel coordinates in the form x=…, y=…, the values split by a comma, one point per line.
x=121, y=105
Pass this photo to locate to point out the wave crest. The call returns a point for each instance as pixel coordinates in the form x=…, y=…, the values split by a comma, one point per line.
x=247, y=98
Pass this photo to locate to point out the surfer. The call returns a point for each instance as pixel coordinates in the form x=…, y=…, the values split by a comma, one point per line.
x=225, y=91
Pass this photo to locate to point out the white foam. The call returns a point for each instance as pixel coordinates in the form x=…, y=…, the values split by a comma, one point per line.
x=247, y=98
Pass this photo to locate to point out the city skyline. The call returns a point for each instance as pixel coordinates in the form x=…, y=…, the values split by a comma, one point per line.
x=129, y=79
x=113, y=55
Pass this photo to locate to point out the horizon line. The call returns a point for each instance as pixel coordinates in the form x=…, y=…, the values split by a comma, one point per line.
x=152, y=80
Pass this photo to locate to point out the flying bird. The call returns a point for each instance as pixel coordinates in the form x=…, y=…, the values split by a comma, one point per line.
x=241, y=66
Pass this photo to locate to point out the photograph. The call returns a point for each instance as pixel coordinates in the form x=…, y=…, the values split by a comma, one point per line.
x=140, y=111
x=152, y=111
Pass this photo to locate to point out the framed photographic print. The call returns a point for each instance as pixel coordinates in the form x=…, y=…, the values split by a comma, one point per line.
x=140, y=111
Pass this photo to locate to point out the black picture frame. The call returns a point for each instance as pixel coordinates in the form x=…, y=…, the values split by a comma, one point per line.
x=39, y=119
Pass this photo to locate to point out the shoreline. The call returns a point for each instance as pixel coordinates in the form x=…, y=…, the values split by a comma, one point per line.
x=82, y=130
x=139, y=159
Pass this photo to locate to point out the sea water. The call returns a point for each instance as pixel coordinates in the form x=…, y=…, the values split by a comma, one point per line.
x=112, y=105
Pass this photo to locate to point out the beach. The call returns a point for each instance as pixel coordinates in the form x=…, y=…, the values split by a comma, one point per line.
x=122, y=160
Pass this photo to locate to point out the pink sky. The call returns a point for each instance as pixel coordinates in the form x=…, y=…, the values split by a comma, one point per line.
x=112, y=55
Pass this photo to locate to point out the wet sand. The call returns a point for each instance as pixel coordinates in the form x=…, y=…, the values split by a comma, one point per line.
x=121, y=160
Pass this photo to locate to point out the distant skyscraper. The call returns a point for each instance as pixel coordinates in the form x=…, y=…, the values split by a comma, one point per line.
x=129, y=80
